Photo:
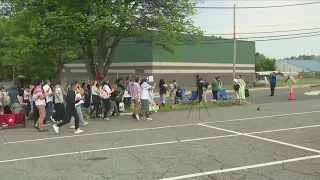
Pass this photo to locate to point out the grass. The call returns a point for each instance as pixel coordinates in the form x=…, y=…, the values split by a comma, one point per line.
x=188, y=106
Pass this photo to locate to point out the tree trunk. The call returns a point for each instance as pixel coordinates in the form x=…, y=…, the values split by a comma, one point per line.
x=88, y=51
x=102, y=47
x=111, y=54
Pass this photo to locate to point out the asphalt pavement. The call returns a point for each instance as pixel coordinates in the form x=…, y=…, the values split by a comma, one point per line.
x=281, y=141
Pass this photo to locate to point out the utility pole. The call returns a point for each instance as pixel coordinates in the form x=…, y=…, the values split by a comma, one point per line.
x=234, y=42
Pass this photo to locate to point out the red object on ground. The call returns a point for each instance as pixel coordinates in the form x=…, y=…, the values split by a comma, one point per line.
x=12, y=120
x=291, y=94
x=98, y=76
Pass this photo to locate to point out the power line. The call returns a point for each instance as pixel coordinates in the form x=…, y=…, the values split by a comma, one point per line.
x=282, y=35
x=256, y=7
x=273, y=25
x=263, y=32
x=228, y=41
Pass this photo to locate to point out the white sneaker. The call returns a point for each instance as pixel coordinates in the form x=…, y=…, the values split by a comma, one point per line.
x=149, y=119
x=85, y=123
x=56, y=128
x=78, y=131
x=52, y=119
x=137, y=117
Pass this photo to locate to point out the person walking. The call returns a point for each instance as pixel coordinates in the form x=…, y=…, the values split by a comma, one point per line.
x=273, y=83
x=39, y=98
x=49, y=100
x=80, y=98
x=71, y=110
x=59, y=104
x=95, y=92
x=135, y=93
x=145, y=99
x=106, y=89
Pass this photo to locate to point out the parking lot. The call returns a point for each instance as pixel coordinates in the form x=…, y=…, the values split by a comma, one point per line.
x=281, y=141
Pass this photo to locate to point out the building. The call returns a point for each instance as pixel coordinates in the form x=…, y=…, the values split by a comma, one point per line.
x=291, y=65
x=298, y=65
x=210, y=57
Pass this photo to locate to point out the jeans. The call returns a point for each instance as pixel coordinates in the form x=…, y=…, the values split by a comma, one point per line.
x=107, y=107
x=127, y=101
x=163, y=99
x=60, y=112
x=79, y=111
x=215, y=95
x=114, y=107
x=71, y=112
x=49, y=108
x=96, y=105
x=27, y=107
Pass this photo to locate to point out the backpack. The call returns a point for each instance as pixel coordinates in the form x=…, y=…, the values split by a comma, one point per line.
x=236, y=87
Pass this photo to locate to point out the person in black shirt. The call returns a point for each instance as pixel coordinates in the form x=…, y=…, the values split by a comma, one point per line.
x=70, y=110
x=200, y=86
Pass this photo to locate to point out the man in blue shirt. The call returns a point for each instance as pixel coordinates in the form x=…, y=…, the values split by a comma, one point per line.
x=273, y=82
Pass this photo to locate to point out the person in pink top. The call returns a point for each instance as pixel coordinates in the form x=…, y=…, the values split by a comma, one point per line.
x=135, y=93
x=39, y=97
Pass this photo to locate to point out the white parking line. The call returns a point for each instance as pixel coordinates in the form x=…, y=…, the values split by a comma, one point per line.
x=265, y=139
x=242, y=168
x=161, y=127
x=285, y=129
x=151, y=144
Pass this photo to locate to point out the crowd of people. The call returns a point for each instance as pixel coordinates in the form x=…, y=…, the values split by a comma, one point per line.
x=61, y=105
x=39, y=100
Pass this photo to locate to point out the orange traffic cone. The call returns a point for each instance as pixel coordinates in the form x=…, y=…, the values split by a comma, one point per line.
x=291, y=94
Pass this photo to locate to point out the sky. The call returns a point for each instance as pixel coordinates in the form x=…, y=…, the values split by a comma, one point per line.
x=215, y=21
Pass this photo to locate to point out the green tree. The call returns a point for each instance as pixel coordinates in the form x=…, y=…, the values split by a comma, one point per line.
x=97, y=27
x=263, y=63
x=32, y=49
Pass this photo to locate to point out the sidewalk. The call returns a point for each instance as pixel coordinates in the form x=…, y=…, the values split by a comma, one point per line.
x=156, y=94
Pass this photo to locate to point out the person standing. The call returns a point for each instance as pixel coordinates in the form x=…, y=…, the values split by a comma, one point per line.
x=273, y=83
x=145, y=98
x=135, y=93
x=71, y=110
x=127, y=93
x=39, y=98
x=59, y=104
x=14, y=101
x=162, y=92
x=49, y=100
x=26, y=100
x=172, y=94
x=200, y=86
x=215, y=89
